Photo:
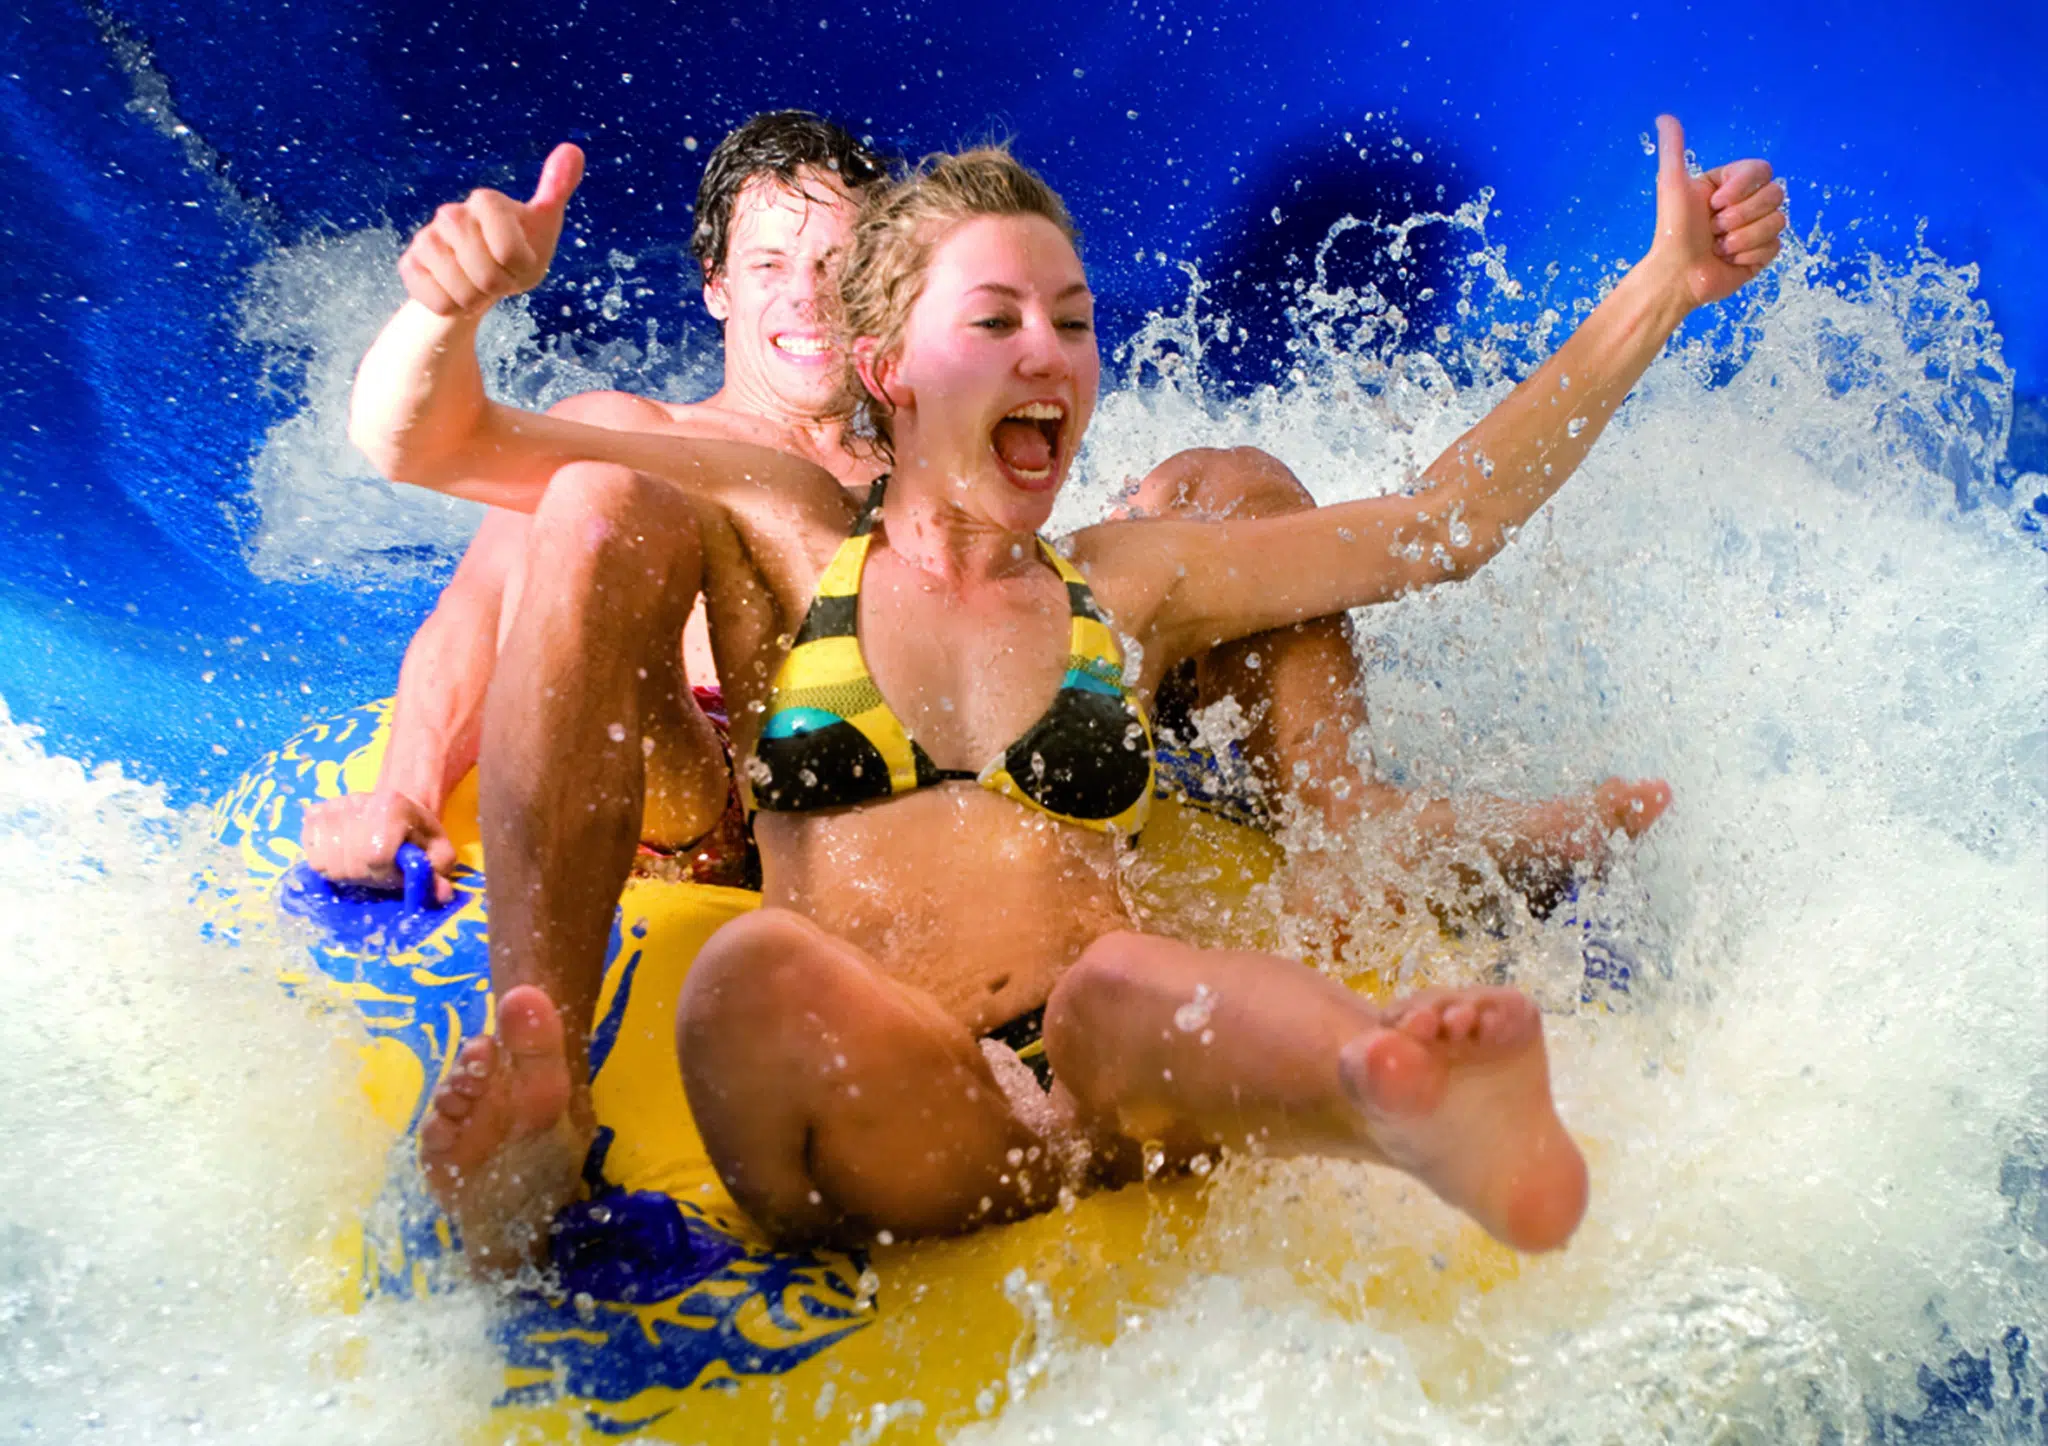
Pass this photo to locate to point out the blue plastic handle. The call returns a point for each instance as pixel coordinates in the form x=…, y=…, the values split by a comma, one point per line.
x=418, y=872
x=359, y=917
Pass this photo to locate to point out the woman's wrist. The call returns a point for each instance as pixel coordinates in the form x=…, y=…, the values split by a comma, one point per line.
x=1660, y=282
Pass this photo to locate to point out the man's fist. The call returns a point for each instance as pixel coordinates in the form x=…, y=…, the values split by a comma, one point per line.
x=355, y=839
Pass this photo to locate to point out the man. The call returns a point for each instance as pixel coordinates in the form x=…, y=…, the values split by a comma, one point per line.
x=776, y=205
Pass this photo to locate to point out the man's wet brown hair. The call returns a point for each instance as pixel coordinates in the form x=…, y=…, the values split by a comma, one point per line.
x=778, y=145
x=900, y=226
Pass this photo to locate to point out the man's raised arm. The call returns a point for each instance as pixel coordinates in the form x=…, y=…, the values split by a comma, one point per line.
x=419, y=412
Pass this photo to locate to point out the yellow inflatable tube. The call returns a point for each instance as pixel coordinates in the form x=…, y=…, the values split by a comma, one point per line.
x=671, y=1318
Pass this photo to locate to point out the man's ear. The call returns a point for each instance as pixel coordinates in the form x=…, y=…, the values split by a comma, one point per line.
x=878, y=372
x=716, y=299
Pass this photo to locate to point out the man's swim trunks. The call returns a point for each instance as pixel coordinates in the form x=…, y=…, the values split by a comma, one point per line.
x=726, y=855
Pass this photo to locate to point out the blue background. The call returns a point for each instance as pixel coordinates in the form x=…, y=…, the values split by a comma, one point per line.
x=129, y=412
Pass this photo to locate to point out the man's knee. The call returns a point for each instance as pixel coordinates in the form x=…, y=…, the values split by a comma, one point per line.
x=600, y=506
x=1214, y=483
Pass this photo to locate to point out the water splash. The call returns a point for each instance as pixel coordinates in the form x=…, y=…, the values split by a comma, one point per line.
x=184, y=1147
x=1799, y=578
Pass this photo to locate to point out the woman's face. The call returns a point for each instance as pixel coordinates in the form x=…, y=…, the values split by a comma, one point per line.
x=996, y=376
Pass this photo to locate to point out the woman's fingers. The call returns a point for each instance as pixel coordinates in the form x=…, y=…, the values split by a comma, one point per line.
x=1754, y=207
x=1738, y=180
x=431, y=249
x=422, y=285
x=1753, y=237
x=1756, y=260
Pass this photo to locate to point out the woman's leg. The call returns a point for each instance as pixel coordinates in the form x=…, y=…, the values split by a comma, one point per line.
x=1197, y=1049
x=837, y=1103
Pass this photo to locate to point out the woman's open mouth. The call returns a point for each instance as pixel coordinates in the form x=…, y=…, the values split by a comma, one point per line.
x=1027, y=443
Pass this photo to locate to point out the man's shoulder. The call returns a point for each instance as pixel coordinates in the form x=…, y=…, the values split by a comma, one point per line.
x=625, y=411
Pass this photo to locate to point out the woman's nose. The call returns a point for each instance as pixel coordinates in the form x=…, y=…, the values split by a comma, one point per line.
x=1043, y=355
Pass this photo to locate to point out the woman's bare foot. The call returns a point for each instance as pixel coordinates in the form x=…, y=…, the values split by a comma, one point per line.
x=498, y=1146
x=1455, y=1089
x=1630, y=805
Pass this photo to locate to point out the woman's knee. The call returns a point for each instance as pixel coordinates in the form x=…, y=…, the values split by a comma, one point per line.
x=1108, y=981
x=606, y=534
x=1222, y=482
x=757, y=971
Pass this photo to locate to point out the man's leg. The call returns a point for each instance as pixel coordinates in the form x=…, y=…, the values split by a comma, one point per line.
x=1300, y=685
x=1304, y=690
x=837, y=1103
x=1195, y=1049
x=588, y=715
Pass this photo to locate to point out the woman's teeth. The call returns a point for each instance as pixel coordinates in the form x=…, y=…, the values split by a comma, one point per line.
x=803, y=345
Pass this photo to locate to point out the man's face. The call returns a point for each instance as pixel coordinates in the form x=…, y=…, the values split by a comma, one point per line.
x=780, y=269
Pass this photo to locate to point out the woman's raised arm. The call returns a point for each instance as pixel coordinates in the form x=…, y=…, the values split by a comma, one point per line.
x=1714, y=232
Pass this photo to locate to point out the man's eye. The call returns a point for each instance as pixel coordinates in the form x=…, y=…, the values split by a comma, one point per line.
x=1079, y=324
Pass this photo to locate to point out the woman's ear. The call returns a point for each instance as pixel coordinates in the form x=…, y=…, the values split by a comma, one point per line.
x=878, y=372
x=716, y=300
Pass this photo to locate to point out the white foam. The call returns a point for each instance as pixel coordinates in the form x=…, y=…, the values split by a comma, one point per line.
x=313, y=308
x=183, y=1143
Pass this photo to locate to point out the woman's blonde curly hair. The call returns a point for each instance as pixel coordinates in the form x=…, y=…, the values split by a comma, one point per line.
x=900, y=225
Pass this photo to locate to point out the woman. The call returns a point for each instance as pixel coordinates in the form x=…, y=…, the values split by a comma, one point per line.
x=939, y=841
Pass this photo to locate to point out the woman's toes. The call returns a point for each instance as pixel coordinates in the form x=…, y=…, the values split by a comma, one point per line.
x=1421, y=1023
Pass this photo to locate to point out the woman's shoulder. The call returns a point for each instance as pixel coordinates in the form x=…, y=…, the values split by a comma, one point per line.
x=1130, y=563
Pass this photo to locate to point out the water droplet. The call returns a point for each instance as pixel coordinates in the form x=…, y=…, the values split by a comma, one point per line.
x=1575, y=426
x=617, y=732
x=1195, y=1013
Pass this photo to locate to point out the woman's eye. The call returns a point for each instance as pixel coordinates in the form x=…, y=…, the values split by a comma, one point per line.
x=995, y=323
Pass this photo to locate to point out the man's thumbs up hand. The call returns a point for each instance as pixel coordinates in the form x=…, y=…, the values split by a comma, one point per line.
x=478, y=251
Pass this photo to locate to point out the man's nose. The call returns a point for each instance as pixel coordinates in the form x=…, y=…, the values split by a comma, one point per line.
x=808, y=286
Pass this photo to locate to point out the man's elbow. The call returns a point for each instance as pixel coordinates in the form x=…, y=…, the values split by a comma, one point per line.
x=391, y=459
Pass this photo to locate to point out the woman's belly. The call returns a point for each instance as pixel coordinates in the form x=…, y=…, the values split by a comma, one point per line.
x=974, y=899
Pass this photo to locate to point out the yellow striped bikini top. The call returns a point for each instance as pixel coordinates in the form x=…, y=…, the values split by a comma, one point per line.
x=829, y=739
